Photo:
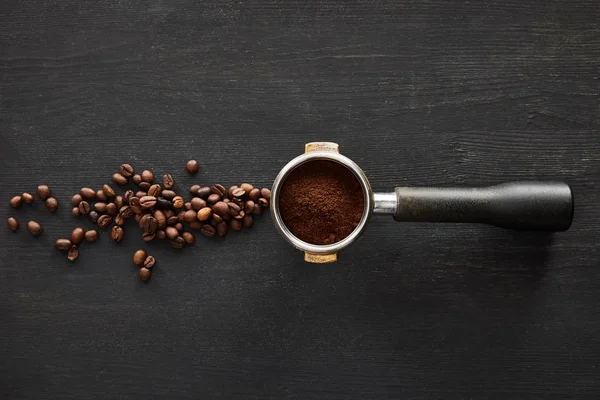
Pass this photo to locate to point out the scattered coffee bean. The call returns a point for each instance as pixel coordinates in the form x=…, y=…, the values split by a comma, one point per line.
x=13, y=224
x=248, y=206
x=168, y=181
x=233, y=209
x=168, y=194
x=187, y=206
x=51, y=204
x=213, y=198
x=181, y=216
x=179, y=227
x=189, y=215
x=162, y=203
x=178, y=202
x=126, y=212
x=144, y=186
x=197, y=203
x=195, y=225
x=247, y=187
x=238, y=201
x=137, y=179
x=204, y=192
x=203, y=214
x=149, y=224
x=172, y=220
x=27, y=198
x=263, y=202
x=101, y=196
x=178, y=243
x=239, y=192
x=148, y=237
x=73, y=253
x=221, y=208
x=104, y=221
x=217, y=218
x=161, y=234
x=119, y=202
x=147, y=176
x=88, y=193
x=149, y=262
x=220, y=190
x=16, y=201
x=35, y=228
x=43, y=192
x=135, y=205
x=111, y=209
x=76, y=200
x=208, y=230
x=188, y=237
x=240, y=215
x=91, y=236
x=222, y=228
x=75, y=212
x=171, y=232
x=161, y=219
x=154, y=190
x=84, y=207
x=192, y=167
x=257, y=210
x=139, y=257
x=147, y=202
x=236, y=224
x=194, y=189
x=254, y=194
x=119, y=179
x=231, y=189
x=93, y=215
x=110, y=192
x=248, y=221
x=119, y=220
x=100, y=207
x=128, y=195
x=145, y=274
x=77, y=235
x=141, y=193
x=116, y=233
x=63, y=244
x=126, y=170
x=265, y=193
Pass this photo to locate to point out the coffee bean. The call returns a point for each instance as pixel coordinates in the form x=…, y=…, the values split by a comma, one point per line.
x=126, y=212
x=188, y=237
x=119, y=202
x=154, y=190
x=213, y=198
x=254, y=194
x=169, y=213
x=149, y=224
x=265, y=193
x=148, y=202
x=135, y=205
x=247, y=187
x=161, y=219
x=144, y=186
x=236, y=224
x=240, y=215
x=248, y=221
x=208, y=230
x=221, y=208
x=75, y=212
x=181, y=216
x=226, y=200
x=233, y=208
x=119, y=179
x=263, y=202
x=109, y=191
x=238, y=201
x=187, y=206
x=126, y=170
x=168, y=194
x=149, y=262
x=101, y=196
x=203, y=214
x=226, y=217
x=111, y=209
x=136, y=179
x=27, y=198
x=116, y=233
x=147, y=176
x=139, y=257
x=171, y=232
x=178, y=202
x=172, y=220
x=104, y=221
x=145, y=274
x=73, y=253
x=51, y=204
x=43, y=192
x=178, y=243
x=257, y=210
x=77, y=235
x=13, y=224
x=128, y=195
x=204, y=192
x=192, y=167
x=195, y=225
x=76, y=200
x=160, y=234
x=162, y=203
x=239, y=192
x=119, y=220
x=100, y=207
x=16, y=201
x=140, y=194
x=231, y=189
x=34, y=228
x=93, y=215
x=84, y=207
x=88, y=193
x=220, y=190
x=222, y=228
x=216, y=218
x=63, y=244
x=248, y=206
x=194, y=189
x=91, y=236
x=179, y=227
x=168, y=181
x=197, y=203
x=190, y=215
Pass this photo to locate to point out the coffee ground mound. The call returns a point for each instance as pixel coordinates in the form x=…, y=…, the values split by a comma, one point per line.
x=321, y=202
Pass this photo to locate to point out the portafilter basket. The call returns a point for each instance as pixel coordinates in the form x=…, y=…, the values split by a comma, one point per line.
x=527, y=205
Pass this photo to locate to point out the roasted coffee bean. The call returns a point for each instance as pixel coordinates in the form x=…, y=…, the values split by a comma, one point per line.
x=265, y=193
x=91, y=236
x=247, y=187
x=84, y=207
x=172, y=220
x=160, y=234
x=93, y=215
x=181, y=216
x=248, y=207
x=178, y=202
x=100, y=207
x=88, y=193
x=257, y=210
x=43, y=192
x=168, y=194
x=213, y=198
x=239, y=192
x=116, y=233
x=139, y=257
x=148, y=202
x=220, y=190
x=221, y=208
x=148, y=237
x=137, y=179
x=231, y=189
x=126, y=170
x=101, y=196
x=197, y=203
x=147, y=176
x=126, y=212
x=179, y=227
x=194, y=189
x=77, y=235
x=178, y=243
x=119, y=220
x=119, y=202
x=189, y=215
x=149, y=262
x=27, y=198
x=168, y=181
x=169, y=213
x=248, y=221
x=13, y=224
x=222, y=228
x=187, y=206
x=76, y=200
x=51, y=204
x=213, y=223
x=216, y=217
x=128, y=195
x=238, y=201
x=63, y=244
x=226, y=217
x=162, y=203
x=188, y=237
x=111, y=209
x=140, y=194
x=254, y=194
x=149, y=224
x=204, y=192
x=138, y=217
x=208, y=230
x=119, y=179
x=135, y=205
x=204, y=214
x=195, y=225
x=161, y=219
x=109, y=191
x=263, y=202
x=16, y=201
x=35, y=228
x=145, y=274
x=226, y=200
x=75, y=212
x=192, y=167
x=171, y=232
x=73, y=253
x=233, y=208
x=236, y=224
x=154, y=190
x=104, y=221
x=144, y=186
x=240, y=215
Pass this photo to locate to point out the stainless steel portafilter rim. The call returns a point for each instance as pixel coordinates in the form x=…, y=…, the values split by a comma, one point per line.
x=313, y=249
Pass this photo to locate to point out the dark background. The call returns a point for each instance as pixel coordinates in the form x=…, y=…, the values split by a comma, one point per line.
x=416, y=92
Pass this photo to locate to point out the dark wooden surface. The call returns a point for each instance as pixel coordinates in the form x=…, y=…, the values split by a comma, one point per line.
x=416, y=92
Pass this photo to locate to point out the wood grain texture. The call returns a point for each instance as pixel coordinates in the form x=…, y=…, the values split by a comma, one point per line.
x=416, y=92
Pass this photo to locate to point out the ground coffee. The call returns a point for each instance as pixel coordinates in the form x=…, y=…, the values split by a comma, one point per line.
x=321, y=202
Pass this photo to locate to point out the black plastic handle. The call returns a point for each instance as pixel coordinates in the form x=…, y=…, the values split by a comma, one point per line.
x=515, y=205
